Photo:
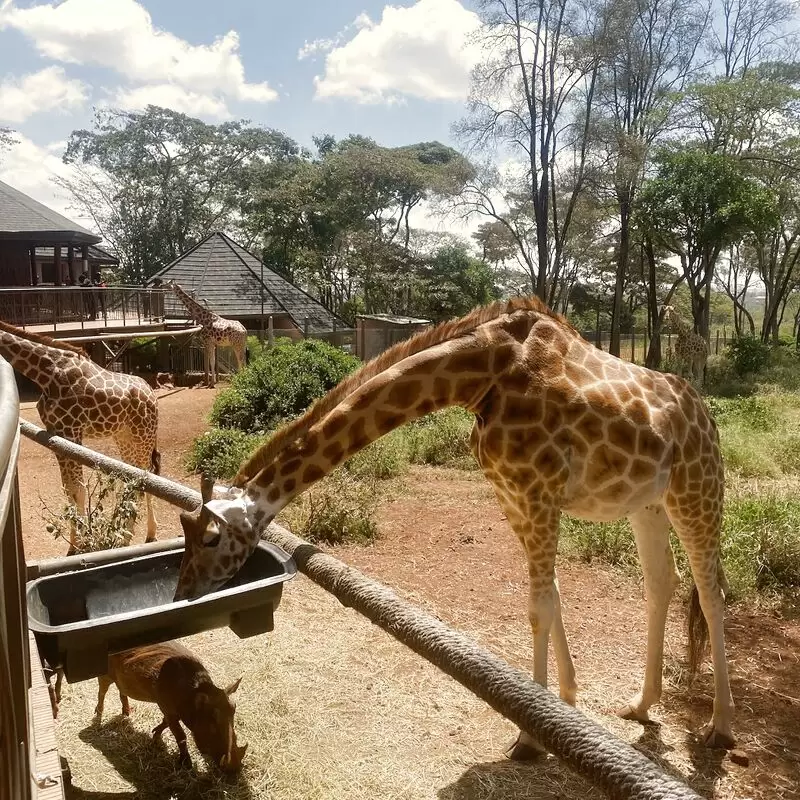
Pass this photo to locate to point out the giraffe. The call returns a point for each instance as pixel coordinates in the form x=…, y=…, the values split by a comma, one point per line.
x=560, y=427
x=216, y=331
x=691, y=349
x=80, y=398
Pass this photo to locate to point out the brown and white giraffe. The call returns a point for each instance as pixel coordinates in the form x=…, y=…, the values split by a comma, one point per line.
x=691, y=349
x=80, y=398
x=217, y=331
x=560, y=426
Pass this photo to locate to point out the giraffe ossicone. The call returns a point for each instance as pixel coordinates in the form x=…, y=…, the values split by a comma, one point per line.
x=560, y=427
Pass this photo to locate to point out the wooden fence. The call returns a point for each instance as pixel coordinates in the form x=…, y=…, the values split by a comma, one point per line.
x=633, y=346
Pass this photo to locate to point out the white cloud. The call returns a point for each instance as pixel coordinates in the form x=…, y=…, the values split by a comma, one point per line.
x=31, y=168
x=420, y=51
x=317, y=46
x=169, y=95
x=45, y=91
x=120, y=35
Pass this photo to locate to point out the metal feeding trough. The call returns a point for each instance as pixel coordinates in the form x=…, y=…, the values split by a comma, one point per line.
x=81, y=616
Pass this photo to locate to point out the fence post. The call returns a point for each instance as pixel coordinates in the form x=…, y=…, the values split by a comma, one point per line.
x=633, y=346
x=716, y=350
x=305, y=328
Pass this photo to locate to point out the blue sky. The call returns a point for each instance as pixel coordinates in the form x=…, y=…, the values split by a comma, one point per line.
x=397, y=72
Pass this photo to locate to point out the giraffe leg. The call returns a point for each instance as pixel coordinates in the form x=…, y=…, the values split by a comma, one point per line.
x=211, y=362
x=139, y=455
x=707, y=572
x=540, y=539
x=75, y=489
x=567, y=683
x=651, y=530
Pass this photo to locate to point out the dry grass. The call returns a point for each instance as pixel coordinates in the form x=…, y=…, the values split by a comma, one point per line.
x=327, y=715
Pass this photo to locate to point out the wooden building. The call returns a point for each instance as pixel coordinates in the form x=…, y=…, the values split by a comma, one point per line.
x=30, y=232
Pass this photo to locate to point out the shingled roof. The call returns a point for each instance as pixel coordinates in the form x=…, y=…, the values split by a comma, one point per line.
x=228, y=278
x=26, y=219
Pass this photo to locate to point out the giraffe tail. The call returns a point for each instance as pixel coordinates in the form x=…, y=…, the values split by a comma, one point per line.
x=155, y=462
x=697, y=625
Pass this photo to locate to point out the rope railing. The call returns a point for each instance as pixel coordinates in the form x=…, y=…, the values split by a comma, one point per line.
x=612, y=765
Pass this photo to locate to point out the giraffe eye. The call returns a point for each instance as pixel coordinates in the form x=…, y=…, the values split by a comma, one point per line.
x=213, y=541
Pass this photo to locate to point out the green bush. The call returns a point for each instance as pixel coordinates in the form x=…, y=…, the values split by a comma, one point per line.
x=338, y=509
x=441, y=439
x=748, y=354
x=220, y=451
x=280, y=384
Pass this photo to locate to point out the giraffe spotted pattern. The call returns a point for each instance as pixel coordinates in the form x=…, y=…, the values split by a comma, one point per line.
x=217, y=332
x=560, y=427
x=80, y=398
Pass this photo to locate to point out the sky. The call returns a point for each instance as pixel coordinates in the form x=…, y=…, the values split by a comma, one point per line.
x=398, y=72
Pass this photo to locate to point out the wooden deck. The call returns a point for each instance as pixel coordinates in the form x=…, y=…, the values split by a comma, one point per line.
x=47, y=782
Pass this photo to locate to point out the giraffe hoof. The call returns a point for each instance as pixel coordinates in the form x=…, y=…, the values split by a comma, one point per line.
x=528, y=750
x=630, y=712
x=717, y=740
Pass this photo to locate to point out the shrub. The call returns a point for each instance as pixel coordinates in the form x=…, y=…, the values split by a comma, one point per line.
x=280, y=384
x=220, y=451
x=748, y=354
x=338, y=509
x=111, y=511
x=441, y=439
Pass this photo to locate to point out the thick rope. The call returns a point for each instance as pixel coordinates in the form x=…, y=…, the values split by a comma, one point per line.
x=612, y=765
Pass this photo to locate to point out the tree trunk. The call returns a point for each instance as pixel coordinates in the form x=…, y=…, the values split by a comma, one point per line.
x=622, y=269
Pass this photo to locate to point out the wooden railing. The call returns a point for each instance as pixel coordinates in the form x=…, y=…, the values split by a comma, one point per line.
x=81, y=307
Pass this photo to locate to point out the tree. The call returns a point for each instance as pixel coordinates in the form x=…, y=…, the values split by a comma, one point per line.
x=649, y=54
x=697, y=204
x=532, y=95
x=7, y=139
x=452, y=282
x=156, y=182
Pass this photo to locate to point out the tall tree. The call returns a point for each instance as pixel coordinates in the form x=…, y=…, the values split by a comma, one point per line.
x=156, y=182
x=532, y=97
x=649, y=55
x=698, y=204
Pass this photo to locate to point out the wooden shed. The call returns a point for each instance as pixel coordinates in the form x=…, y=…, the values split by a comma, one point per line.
x=378, y=332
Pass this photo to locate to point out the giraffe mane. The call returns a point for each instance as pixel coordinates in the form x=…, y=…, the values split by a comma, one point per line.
x=443, y=332
x=40, y=338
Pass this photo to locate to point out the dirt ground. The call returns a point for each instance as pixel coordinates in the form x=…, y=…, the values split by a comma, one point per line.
x=333, y=707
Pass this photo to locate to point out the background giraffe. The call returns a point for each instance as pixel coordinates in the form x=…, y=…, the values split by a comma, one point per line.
x=691, y=349
x=560, y=426
x=80, y=398
x=216, y=331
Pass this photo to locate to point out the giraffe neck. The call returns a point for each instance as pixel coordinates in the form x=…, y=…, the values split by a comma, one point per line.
x=36, y=361
x=456, y=373
x=683, y=328
x=203, y=315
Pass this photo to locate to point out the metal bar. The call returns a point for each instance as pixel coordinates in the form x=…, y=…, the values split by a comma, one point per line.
x=592, y=751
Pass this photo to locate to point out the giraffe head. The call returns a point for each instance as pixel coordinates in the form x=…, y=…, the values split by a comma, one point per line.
x=219, y=538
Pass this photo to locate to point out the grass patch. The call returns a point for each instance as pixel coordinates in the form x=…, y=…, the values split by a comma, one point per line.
x=760, y=544
x=441, y=439
x=385, y=458
x=340, y=508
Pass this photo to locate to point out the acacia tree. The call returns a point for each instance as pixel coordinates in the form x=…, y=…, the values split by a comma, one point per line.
x=156, y=182
x=532, y=97
x=698, y=204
